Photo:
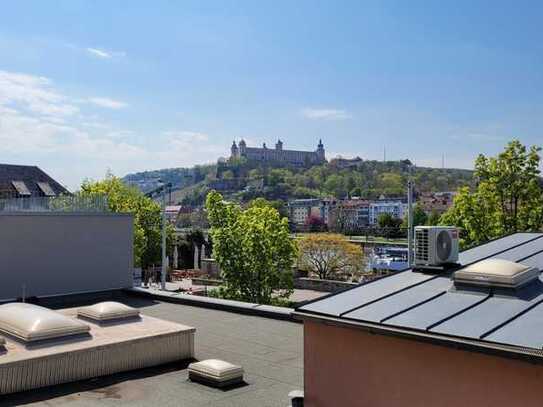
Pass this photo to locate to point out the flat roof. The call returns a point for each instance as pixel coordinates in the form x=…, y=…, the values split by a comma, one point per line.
x=422, y=305
x=270, y=351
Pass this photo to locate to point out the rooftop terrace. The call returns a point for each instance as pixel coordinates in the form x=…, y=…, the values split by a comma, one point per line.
x=269, y=350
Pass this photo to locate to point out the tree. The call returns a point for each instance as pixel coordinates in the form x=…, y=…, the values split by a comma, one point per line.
x=255, y=173
x=389, y=224
x=386, y=220
x=228, y=174
x=338, y=219
x=508, y=197
x=315, y=223
x=433, y=219
x=253, y=249
x=278, y=204
x=419, y=217
x=329, y=255
x=146, y=212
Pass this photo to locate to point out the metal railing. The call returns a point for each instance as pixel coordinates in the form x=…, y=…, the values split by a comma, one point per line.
x=63, y=203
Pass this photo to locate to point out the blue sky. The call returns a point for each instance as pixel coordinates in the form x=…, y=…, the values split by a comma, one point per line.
x=87, y=86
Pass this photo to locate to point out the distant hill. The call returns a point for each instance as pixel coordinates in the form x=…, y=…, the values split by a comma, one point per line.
x=243, y=181
x=180, y=178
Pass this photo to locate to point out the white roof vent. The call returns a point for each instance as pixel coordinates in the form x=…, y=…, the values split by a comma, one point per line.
x=496, y=273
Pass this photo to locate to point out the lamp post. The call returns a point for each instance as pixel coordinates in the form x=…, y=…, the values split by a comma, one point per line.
x=164, y=270
x=410, y=184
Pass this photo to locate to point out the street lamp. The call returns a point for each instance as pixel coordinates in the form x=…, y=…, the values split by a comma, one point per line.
x=164, y=270
x=410, y=185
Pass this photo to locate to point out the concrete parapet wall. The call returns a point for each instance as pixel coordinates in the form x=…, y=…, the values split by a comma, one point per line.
x=47, y=253
x=316, y=284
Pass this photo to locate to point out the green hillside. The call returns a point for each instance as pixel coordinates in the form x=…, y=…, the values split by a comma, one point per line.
x=180, y=178
x=243, y=181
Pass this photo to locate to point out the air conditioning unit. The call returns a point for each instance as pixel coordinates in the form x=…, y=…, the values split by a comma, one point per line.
x=435, y=246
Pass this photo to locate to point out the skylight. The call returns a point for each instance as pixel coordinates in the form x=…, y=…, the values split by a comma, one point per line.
x=21, y=188
x=496, y=273
x=46, y=189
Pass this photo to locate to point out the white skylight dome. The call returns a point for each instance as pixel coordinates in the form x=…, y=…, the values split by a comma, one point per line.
x=496, y=273
x=33, y=323
x=109, y=310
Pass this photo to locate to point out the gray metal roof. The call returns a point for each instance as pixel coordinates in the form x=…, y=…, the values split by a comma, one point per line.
x=428, y=304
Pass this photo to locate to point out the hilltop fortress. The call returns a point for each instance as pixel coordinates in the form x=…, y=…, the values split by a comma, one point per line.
x=278, y=154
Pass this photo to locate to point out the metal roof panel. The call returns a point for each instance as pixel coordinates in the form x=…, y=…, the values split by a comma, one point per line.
x=486, y=316
x=394, y=304
x=495, y=246
x=364, y=294
x=436, y=310
x=526, y=330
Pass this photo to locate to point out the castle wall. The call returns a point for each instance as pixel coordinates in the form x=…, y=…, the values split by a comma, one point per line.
x=286, y=156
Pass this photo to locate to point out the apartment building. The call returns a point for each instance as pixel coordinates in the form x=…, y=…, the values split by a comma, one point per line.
x=438, y=202
x=395, y=207
x=300, y=210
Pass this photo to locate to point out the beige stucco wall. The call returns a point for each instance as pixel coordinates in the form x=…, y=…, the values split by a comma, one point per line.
x=64, y=253
x=350, y=367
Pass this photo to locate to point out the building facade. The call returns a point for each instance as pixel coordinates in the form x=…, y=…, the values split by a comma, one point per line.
x=395, y=207
x=438, y=202
x=278, y=154
x=299, y=210
x=349, y=215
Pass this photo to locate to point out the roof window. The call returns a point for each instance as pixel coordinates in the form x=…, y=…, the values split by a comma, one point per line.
x=496, y=273
x=46, y=189
x=21, y=188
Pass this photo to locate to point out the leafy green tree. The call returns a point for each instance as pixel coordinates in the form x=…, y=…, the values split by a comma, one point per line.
x=386, y=220
x=335, y=184
x=228, y=174
x=476, y=214
x=508, y=197
x=253, y=249
x=389, y=224
x=146, y=212
x=277, y=176
x=277, y=204
x=255, y=173
x=433, y=219
x=419, y=217
x=391, y=183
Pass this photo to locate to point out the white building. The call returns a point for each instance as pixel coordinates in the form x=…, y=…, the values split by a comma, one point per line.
x=301, y=209
x=397, y=208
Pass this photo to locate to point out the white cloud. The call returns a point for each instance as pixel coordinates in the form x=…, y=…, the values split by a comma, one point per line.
x=107, y=103
x=105, y=54
x=39, y=125
x=34, y=94
x=190, y=146
x=99, y=53
x=325, y=114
